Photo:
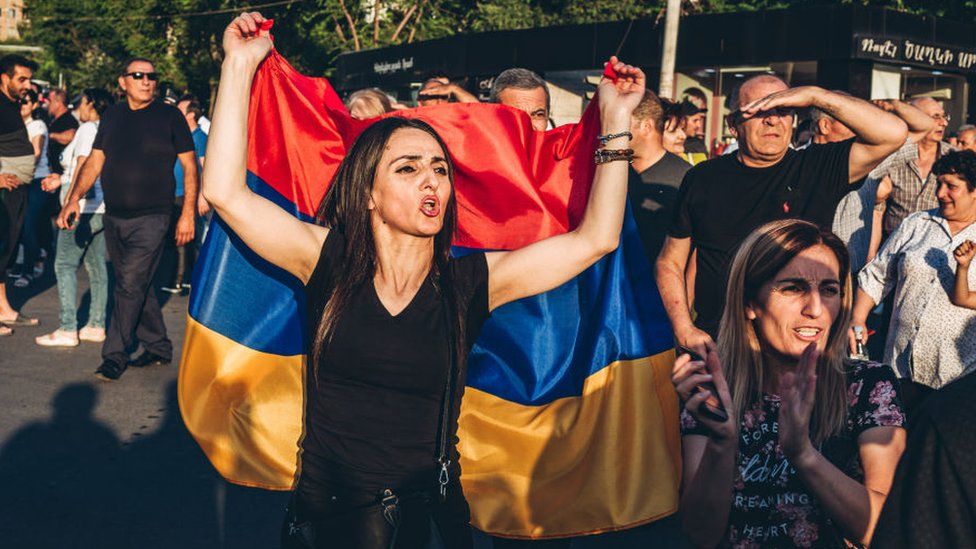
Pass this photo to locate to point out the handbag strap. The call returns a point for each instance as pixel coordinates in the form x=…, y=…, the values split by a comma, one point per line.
x=443, y=459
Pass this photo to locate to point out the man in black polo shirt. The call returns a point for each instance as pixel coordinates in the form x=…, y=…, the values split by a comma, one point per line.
x=16, y=171
x=724, y=199
x=138, y=142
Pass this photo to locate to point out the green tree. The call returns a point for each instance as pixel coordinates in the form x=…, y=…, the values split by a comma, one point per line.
x=87, y=40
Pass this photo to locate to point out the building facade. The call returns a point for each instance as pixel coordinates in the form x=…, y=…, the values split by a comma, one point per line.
x=11, y=16
x=873, y=53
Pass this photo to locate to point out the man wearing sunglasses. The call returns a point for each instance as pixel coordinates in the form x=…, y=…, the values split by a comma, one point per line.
x=724, y=199
x=138, y=142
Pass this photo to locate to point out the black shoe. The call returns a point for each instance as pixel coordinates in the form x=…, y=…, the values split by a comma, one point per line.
x=109, y=371
x=148, y=359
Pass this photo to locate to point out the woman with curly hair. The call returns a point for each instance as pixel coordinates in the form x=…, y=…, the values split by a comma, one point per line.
x=931, y=340
x=798, y=448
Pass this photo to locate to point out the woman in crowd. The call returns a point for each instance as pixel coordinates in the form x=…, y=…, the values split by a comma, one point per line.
x=674, y=127
x=812, y=439
x=37, y=227
x=931, y=341
x=85, y=240
x=392, y=313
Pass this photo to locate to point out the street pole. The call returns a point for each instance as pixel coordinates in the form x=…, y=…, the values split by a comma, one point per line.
x=670, y=48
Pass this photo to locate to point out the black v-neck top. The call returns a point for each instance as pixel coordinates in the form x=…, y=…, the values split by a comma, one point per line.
x=374, y=394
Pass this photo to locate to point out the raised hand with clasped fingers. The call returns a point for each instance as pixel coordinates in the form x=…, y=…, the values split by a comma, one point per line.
x=689, y=374
x=621, y=96
x=964, y=253
x=244, y=39
x=797, y=393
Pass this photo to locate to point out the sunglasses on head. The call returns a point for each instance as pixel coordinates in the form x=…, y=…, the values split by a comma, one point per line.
x=141, y=75
x=25, y=101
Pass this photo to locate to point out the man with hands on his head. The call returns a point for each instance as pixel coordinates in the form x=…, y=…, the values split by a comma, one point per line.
x=723, y=199
x=439, y=89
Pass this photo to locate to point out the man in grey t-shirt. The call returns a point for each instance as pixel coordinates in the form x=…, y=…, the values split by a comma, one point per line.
x=655, y=176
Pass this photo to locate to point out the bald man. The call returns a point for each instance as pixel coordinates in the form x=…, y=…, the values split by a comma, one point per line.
x=724, y=199
x=966, y=137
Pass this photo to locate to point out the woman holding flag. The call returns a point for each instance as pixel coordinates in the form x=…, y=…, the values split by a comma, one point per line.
x=394, y=313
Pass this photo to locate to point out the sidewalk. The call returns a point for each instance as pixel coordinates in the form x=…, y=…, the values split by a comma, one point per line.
x=85, y=463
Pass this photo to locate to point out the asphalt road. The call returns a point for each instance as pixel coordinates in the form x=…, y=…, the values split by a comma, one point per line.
x=86, y=463
x=91, y=464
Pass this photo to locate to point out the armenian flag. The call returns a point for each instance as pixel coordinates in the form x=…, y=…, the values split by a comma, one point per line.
x=569, y=423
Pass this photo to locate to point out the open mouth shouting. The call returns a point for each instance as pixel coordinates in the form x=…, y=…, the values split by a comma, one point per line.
x=430, y=206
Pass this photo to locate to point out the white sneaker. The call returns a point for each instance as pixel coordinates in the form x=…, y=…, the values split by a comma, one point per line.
x=91, y=333
x=58, y=338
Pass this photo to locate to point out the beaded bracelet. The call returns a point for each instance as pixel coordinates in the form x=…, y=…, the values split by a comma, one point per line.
x=603, y=139
x=602, y=156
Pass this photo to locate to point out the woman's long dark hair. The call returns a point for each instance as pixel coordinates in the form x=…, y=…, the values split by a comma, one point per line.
x=346, y=209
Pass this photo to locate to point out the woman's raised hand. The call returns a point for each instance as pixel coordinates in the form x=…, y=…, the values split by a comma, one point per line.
x=622, y=96
x=689, y=374
x=245, y=39
x=797, y=393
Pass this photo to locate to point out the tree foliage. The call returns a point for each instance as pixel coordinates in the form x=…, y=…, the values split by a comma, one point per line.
x=87, y=40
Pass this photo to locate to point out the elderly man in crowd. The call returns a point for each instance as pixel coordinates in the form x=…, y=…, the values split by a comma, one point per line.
x=722, y=200
x=966, y=137
x=910, y=170
x=859, y=215
x=526, y=91
x=137, y=144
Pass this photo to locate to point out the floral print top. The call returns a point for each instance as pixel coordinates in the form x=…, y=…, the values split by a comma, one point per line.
x=771, y=507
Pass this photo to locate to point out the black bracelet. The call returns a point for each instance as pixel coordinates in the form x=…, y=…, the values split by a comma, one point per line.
x=603, y=139
x=602, y=156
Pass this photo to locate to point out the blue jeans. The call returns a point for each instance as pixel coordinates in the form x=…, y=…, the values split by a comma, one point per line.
x=85, y=242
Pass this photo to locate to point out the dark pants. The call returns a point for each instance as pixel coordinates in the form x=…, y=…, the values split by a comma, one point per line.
x=38, y=232
x=15, y=207
x=135, y=246
x=185, y=254
x=340, y=521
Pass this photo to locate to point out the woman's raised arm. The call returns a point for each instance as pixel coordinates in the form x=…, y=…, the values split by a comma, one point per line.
x=269, y=231
x=546, y=264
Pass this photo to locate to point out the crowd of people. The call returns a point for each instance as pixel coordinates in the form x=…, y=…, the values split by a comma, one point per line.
x=102, y=177
x=777, y=263
x=829, y=219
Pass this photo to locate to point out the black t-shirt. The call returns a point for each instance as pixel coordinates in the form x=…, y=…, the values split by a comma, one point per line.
x=374, y=395
x=63, y=123
x=721, y=201
x=140, y=150
x=13, y=132
x=652, y=195
x=771, y=506
x=931, y=499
